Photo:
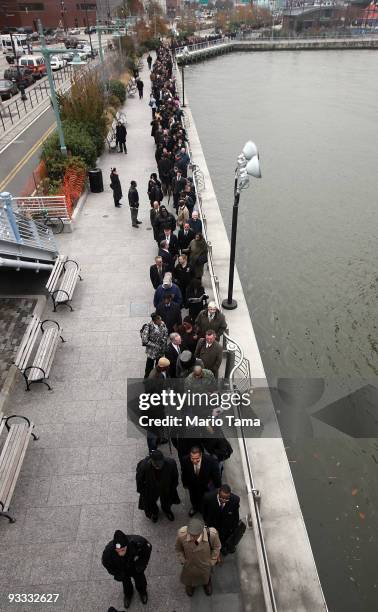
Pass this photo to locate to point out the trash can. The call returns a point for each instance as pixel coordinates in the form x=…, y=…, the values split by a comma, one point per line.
x=95, y=180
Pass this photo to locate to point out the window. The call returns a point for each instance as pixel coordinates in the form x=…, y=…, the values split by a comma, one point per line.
x=31, y=6
x=88, y=6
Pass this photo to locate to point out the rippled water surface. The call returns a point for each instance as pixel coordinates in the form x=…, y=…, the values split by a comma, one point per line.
x=307, y=255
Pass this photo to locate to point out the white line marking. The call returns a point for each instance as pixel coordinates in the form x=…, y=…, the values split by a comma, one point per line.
x=24, y=130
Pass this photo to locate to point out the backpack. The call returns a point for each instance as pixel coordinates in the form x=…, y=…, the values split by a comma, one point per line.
x=142, y=332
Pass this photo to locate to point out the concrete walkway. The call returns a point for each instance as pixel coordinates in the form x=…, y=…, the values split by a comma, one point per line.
x=78, y=480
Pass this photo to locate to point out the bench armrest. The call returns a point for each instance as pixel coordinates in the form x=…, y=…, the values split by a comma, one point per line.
x=72, y=261
x=19, y=416
x=51, y=320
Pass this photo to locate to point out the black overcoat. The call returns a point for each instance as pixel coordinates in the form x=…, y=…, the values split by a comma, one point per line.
x=150, y=487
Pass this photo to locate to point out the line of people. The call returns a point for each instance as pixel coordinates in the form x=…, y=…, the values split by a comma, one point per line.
x=184, y=347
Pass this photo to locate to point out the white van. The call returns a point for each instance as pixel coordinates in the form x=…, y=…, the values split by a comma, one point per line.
x=20, y=44
x=36, y=63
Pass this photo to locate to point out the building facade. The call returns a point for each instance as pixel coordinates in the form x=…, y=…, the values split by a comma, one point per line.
x=53, y=13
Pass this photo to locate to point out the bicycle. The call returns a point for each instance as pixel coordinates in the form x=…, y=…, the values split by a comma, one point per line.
x=54, y=223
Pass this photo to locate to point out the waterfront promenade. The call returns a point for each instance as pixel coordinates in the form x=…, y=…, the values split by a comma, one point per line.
x=77, y=484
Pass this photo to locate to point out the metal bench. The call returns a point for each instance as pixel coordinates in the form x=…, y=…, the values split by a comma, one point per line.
x=36, y=368
x=65, y=273
x=12, y=457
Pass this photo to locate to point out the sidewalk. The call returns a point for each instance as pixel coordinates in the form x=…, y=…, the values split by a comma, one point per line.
x=78, y=480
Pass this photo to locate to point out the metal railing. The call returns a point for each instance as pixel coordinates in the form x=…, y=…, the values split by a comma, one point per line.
x=17, y=109
x=203, y=45
x=56, y=206
x=238, y=374
x=18, y=229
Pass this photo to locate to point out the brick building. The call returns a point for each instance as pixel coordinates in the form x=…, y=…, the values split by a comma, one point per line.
x=53, y=13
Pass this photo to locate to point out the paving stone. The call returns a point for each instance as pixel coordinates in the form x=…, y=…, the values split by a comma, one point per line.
x=74, y=490
x=38, y=589
x=61, y=562
x=117, y=433
x=118, y=488
x=64, y=461
x=77, y=434
x=15, y=564
x=58, y=524
x=30, y=492
x=99, y=522
x=112, y=459
x=95, y=596
x=111, y=410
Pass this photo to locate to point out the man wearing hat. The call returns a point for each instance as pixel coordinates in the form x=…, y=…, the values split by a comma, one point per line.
x=198, y=549
x=157, y=476
x=126, y=557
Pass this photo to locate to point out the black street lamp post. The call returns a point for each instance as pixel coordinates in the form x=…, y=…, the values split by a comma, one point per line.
x=248, y=165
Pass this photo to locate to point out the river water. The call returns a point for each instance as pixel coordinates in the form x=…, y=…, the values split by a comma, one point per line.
x=307, y=257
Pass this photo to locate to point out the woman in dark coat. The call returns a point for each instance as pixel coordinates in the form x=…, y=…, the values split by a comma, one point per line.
x=115, y=185
x=165, y=219
x=157, y=476
x=196, y=298
x=182, y=275
x=154, y=189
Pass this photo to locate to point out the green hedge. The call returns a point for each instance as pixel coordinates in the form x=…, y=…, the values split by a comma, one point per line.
x=117, y=88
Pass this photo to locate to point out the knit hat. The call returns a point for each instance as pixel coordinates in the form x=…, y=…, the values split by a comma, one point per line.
x=195, y=526
x=120, y=540
x=164, y=362
x=185, y=356
x=157, y=458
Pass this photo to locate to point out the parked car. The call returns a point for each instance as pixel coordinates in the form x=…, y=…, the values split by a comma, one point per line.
x=68, y=57
x=23, y=77
x=36, y=63
x=56, y=62
x=70, y=43
x=74, y=31
x=7, y=89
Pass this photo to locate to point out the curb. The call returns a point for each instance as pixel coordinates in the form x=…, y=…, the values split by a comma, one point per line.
x=79, y=207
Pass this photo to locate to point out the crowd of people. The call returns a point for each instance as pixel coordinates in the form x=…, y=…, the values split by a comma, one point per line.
x=182, y=342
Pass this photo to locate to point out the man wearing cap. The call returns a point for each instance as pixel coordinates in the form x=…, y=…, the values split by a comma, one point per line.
x=126, y=557
x=198, y=549
x=157, y=477
x=211, y=318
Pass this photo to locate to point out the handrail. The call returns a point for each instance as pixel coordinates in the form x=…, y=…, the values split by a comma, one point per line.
x=241, y=363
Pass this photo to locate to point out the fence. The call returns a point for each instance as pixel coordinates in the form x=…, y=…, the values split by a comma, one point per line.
x=56, y=206
x=17, y=109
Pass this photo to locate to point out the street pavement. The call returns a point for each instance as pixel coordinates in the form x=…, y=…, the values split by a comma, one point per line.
x=77, y=485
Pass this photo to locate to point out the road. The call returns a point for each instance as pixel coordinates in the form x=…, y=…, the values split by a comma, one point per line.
x=20, y=157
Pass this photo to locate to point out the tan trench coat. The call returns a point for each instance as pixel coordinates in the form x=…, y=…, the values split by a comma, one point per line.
x=198, y=560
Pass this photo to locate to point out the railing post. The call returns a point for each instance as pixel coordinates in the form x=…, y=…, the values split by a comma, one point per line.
x=6, y=197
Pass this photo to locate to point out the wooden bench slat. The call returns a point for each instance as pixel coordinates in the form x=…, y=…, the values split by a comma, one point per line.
x=11, y=459
x=45, y=353
x=22, y=448
x=27, y=343
x=55, y=273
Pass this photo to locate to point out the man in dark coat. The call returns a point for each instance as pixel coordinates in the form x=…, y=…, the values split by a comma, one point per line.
x=121, y=133
x=140, y=86
x=220, y=510
x=170, y=313
x=157, y=272
x=157, y=477
x=171, y=238
x=172, y=352
x=133, y=197
x=195, y=223
x=165, y=172
x=178, y=185
x=211, y=318
x=185, y=236
x=149, y=61
x=210, y=351
x=200, y=474
x=167, y=257
x=126, y=557
x=115, y=185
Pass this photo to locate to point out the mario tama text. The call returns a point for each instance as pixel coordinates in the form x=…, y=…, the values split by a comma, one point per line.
x=189, y=412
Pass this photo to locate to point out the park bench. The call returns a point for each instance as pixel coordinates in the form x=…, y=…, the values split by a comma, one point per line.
x=62, y=281
x=12, y=456
x=34, y=358
x=131, y=88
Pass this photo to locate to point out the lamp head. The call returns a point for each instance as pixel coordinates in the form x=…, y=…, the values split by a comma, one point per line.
x=253, y=167
x=249, y=149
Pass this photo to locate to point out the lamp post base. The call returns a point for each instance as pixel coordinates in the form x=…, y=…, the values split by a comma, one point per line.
x=229, y=305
